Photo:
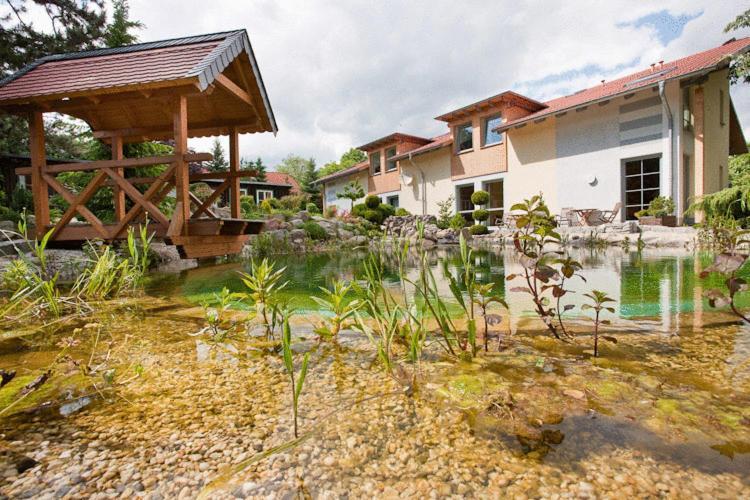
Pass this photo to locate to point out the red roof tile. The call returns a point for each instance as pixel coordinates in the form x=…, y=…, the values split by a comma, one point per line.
x=391, y=138
x=283, y=179
x=674, y=69
x=435, y=143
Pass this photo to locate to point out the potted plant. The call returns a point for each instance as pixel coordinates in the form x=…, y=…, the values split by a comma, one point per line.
x=660, y=212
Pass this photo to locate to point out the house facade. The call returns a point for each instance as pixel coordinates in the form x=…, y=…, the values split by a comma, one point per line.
x=667, y=130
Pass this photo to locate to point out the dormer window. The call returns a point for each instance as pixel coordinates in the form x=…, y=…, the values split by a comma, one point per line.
x=490, y=137
x=464, y=137
x=390, y=165
x=375, y=163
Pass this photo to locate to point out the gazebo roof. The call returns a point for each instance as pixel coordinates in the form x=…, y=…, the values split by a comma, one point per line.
x=127, y=89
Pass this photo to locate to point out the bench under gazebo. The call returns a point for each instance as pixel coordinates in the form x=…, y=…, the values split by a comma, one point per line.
x=207, y=85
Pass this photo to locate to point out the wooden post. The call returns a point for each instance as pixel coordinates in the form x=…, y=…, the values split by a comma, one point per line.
x=182, y=175
x=234, y=167
x=39, y=189
x=119, y=194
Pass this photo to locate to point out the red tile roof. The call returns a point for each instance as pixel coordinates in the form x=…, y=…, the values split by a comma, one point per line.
x=508, y=96
x=434, y=144
x=283, y=180
x=391, y=138
x=696, y=63
x=361, y=166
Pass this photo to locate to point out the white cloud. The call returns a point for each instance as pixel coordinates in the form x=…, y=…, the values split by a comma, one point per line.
x=342, y=73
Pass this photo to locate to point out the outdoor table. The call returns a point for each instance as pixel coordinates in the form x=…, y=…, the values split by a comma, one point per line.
x=584, y=213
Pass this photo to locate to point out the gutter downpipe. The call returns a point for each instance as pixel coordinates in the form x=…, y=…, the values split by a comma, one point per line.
x=669, y=153
x=424, y=192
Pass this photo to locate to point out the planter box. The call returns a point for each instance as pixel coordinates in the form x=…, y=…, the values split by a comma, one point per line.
x=665, y=220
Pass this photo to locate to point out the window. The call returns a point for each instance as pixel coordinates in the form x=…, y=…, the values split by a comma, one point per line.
x=495, y=206
x=687, y=111
x=490, y=136
x=375, y=163
x=463, y=198
x=390, y=165
x=642, y=182
x=243, y=191
x=392, y=201
x=463, y=137
x=263, y=194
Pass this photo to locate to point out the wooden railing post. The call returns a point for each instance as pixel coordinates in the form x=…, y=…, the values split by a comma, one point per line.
x=119, y=194
x=39, y=189
x=182, y=175
x=234, y=167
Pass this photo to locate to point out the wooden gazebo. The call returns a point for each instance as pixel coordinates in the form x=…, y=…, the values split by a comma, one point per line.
x=197, y=86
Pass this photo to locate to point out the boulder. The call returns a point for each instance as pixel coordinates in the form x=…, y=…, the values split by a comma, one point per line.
x=304, y=215
x=297, y=234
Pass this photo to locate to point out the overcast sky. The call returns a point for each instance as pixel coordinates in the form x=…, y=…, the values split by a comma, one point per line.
x=341, y=73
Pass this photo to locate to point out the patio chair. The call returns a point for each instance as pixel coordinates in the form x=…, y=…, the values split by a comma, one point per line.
x=595, y=218
x=609, y=215
x=567, y=217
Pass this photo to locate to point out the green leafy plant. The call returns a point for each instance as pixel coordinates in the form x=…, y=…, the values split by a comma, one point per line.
x=342, y=310
x=599, y=301
x=402, y=212
x=478, y=229
x=658, y=207
x=457, y=222
x=215, y=311
x=296, y=387
x=728, y=264
x=372, y=201
x=264, y=282
x=484, y=299
x=480, y=198
x=312, y=208
x=445, y=212
x=353, y=191
x=314, y=231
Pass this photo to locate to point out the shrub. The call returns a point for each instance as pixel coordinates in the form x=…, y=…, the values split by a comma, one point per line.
x=457, y=222
x=659, y=207
x=480, y=197
x=445, y=210
x=314, y=230
x=275, y=204
x=387, y=210
x=330, y=212
x=374, y=216
x=293, y=202
x=479, y=229
x=9, y=214
x=372, y=201
x=266, y=206
x=21, y=198
x=481, y=215
x=312, y=208
x=359, y=210
x=201, y=190
x=401, y=212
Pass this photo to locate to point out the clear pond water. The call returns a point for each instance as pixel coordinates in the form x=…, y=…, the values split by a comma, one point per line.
x=664, y=412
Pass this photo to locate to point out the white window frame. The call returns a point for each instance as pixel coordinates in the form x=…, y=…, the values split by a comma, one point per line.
x=486, y=128
x=387, y=161
x=267, y=194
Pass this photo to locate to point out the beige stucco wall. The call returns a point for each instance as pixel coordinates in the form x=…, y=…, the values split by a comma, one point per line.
x=531, y=164
x=437, y=186
x=337, y=185
x=715, y=132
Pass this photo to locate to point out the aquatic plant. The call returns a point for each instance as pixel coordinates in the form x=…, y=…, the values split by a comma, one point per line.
x=106, y=276
x=485, y=298
x=728, y=265
x=215, y=313
x=598, y=303
x=537, y=244
x=264, y=282
x=341, y=309
x=139, y=252
x=468, y=280
x=296, y=387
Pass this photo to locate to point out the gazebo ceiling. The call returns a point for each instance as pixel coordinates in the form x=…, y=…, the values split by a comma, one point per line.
x=129, y=91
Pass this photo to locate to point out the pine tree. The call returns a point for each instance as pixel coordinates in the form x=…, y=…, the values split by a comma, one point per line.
x=118, y=31
x=219, y=163
x=259, y=167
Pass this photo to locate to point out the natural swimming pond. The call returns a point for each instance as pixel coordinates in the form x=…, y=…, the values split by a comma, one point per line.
x=664, y=412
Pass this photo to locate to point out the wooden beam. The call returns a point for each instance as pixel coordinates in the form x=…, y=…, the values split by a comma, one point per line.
x=124, y=163
x=119, y=194
x=39, y=187
x=197, y=202
x=234, y=89
x=158, y=186
x=182, y=174
x=136, y=196
x=234, y=167
x=175, y=225
x=207, y=203
x=78, y=204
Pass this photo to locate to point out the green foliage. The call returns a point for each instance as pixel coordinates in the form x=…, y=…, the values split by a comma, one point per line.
x=293, y=202
x=215, y=311
x=303, y=171
x=481, y=215
x=287, y=354
x=330, y=212
x=312, y=208
x=728, y=265
x=257, y=165
x=739, y=70
x=219, y=163
x=21, y=199
x=263, y=283
x=731, y=203
x=314, y=231
x=118, y=32
x=248, y=207
x=445, y=212
x=402, y=212
x=598, y=304
x=374, y=216
x=478, y=229
x=348, y=159
x=387, y=210
x=9, y=214
x=659, y=207
x=266, y=206
x=341, y=309
x=480, y=197
x=484, y=299
x=201, y=190
x=372, y=201
x=359, y=210
x=352, y=191
x=457, y=222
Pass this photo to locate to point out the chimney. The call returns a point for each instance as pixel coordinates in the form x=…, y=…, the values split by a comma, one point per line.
x=652, y=67
x=603, y=82
x=661, y=64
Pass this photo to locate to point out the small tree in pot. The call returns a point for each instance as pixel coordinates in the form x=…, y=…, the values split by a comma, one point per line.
x=660, y=212
x=480, y=199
